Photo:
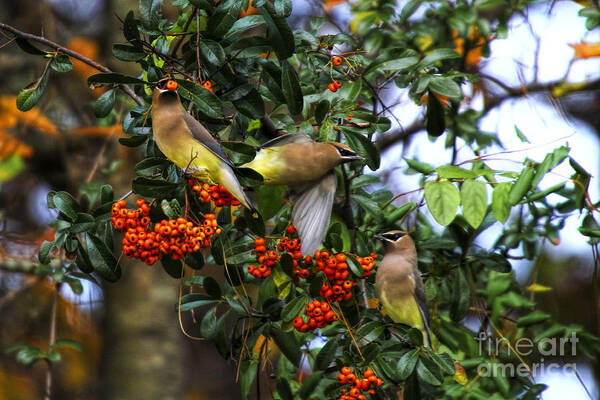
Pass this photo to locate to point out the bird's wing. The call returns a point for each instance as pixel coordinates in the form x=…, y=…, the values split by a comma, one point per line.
x=421, y=300
x=312, y=210
x=201, y=134
x=286, y=139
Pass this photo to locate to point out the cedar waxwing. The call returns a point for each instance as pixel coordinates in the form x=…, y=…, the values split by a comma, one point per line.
x=306, y=167
x=399, y=285
x=188, y=144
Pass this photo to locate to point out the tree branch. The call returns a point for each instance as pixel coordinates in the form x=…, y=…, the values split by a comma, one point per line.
x=126, y=88
x=387, y=140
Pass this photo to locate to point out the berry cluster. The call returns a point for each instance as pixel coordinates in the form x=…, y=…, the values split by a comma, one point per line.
x=367, y=263
x=176, y=237
x=337, y=287
x=137, y=242
x=268, y=258
x=347, y=377
x=334, y=86
x=207, y=85
x=217, y=193
x=179, y=237
x=319, y=315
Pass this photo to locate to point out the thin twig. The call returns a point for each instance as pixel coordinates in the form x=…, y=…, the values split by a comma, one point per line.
x=126, y=88
x=51, y=340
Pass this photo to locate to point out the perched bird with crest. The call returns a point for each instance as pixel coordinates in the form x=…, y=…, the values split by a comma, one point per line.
x=307, y=168
x=187, y=143
x=399, y=285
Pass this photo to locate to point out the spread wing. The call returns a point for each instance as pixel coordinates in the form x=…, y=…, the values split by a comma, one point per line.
x=311, y=212
x=201, y=134
x=287, y=139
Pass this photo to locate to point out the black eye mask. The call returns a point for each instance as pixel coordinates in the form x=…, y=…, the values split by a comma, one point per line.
x=393, y=236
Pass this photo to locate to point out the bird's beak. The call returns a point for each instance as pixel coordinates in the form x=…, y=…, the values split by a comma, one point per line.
x=354, y=157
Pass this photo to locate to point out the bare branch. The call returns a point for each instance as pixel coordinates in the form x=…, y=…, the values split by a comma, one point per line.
x=126, y=88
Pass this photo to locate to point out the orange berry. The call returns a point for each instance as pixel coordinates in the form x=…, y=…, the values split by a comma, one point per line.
x=337, y=61
x=346, y=370
x=332, y=87
x=337, y=84
x=171, y=85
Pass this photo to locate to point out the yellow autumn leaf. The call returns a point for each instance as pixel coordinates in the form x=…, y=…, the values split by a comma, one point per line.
x=329, y=4
x=536, y=287
x=565, y=88
x=10, y=115
x=460, y=375
x=101, y=131
x=585, y=50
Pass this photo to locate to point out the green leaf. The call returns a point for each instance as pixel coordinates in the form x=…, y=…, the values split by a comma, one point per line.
x=474, y=201
x=286, y=342
x=284, y=390
x=438, y=55
x=156, y=188
x=327, y=353
x=151, y=166
x=30, y=95
x=208, y=326
x=195, y=300
x=66, y=204
x=550, y=161
x=248, y=370
x=461, y=296
x=75, y=345
x=269, y=200
x=521, y=136
x=148, y=11
x=125, y=52
x=10, y=167
x=245, y=24
x=46, y=249
x=435, y=120
x=130, y=29
x=279, y=34
x=174, y=268
x=293, y=308
x=102, y=258
x=212, y=288
x=500, y=204
x=408, y=10
x=367, y=204
x=419, y=166
x=363, y=147
x=104, y=104
x=61, y=63
x=407, y=364
x=291, y=88
x=321, y=111
x=446, y=87
x=113, y=77
x=133, y=140
x=204, y=100
x=454, y=172
x=283, y=8
x=221, y=22
x=429, y=372
x=534, y=318
x=442, y=199
x=521, y=186
x=27, y=47
x=212, y=52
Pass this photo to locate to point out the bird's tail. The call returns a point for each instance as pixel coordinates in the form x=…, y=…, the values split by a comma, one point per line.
x=230, y=182
x=311, y=212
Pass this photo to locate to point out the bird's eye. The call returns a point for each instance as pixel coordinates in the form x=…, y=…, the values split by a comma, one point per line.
x=345, y=152
x=161, y=84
